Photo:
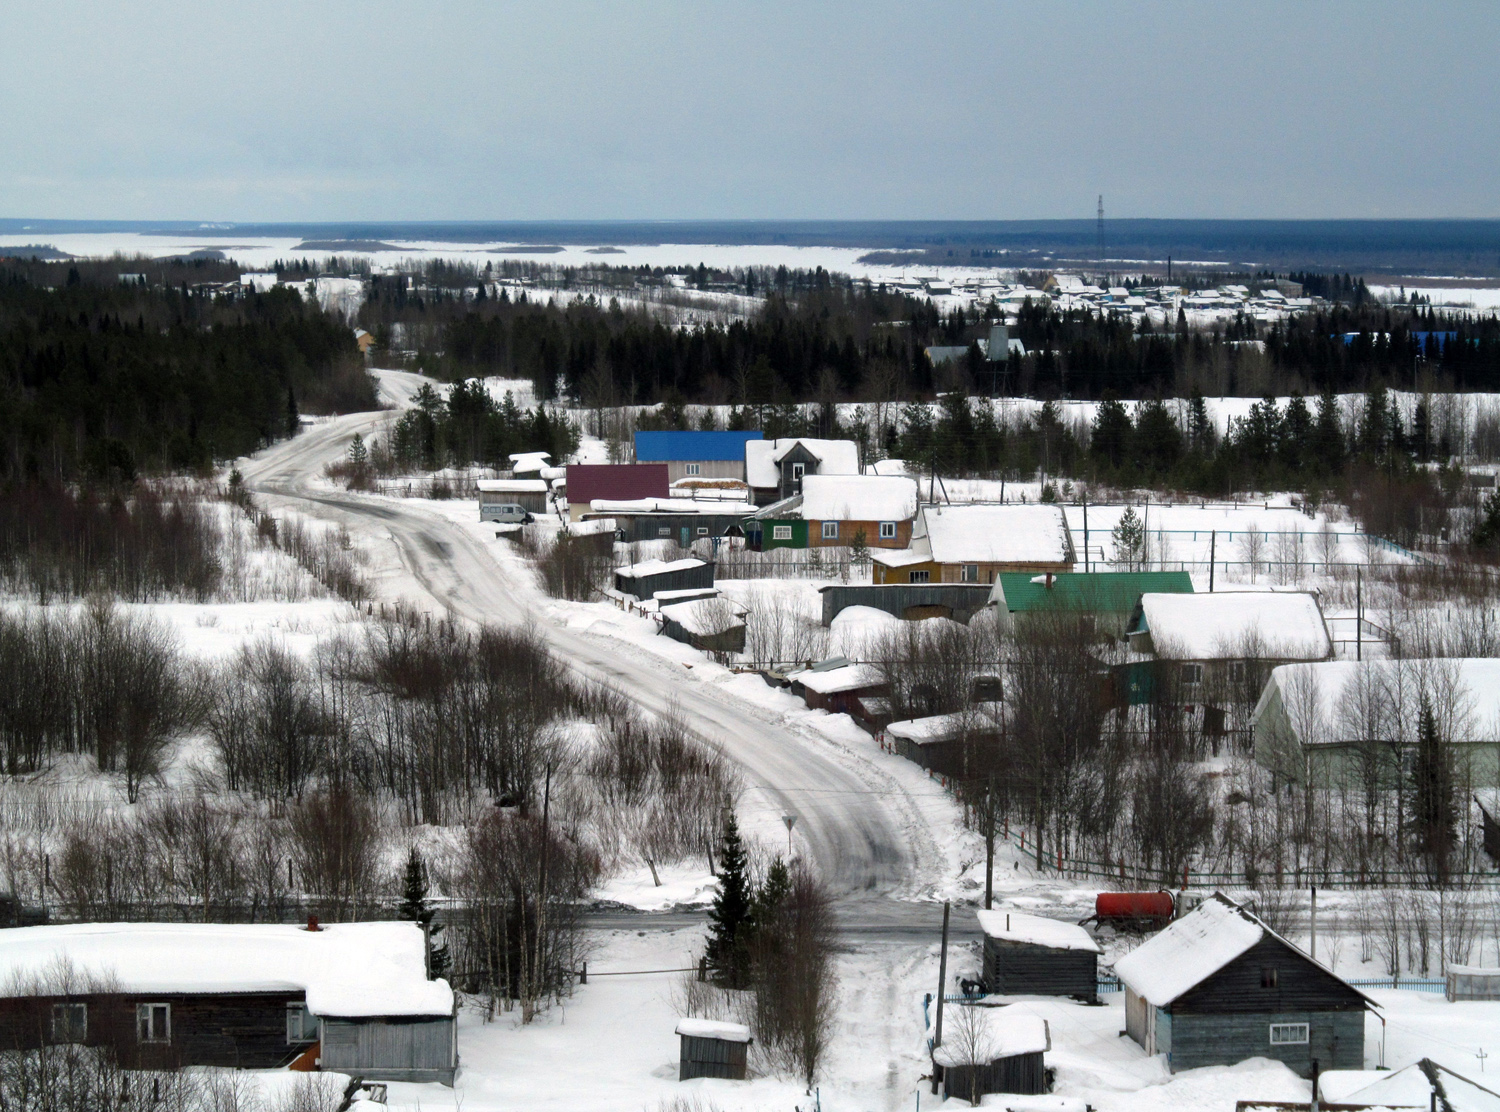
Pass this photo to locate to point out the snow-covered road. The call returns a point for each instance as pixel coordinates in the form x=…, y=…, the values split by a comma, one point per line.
x=862, y=828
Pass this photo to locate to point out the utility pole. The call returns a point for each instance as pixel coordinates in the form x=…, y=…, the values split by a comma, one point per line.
x=1313, y=919
x=937, y=1035
x=1213, y=543
x=1359, y=617
x=989, y=843
x=1101, y=232
x=1085, y=546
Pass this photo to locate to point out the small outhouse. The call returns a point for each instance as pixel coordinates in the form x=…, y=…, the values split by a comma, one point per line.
x=1028, y=955
x=992, y=1050
x=712, y=1048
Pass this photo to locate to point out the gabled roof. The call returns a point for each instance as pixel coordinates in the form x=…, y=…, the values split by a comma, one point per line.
x=1036, y=930
x=835, y=457
x=673, y=446
x=512, y=486
x=620, y=482
x=858, y=498
x=1194, y=948
x=1085, y=592
x=990, y=534
x=1004, y=1033
x=1276, y=625
x=659, y=567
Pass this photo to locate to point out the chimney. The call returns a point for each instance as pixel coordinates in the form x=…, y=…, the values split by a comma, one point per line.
x=312, y=923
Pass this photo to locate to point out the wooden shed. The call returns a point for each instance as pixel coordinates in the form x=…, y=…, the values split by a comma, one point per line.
x=711, y=625
x=390, y=1048
x=992, y=1050
x=711, y=1048
x=1218, y=986
x=839, y=687
x=1028, y=955
x=529, y=494
x=952, y=745
x=959, y=601
x=650, y=577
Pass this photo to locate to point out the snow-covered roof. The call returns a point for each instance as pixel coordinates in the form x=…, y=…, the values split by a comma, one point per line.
x=1035, y=930
x=529, y=461
x=713, y=1029
x=668, y=506
x=1190, y=950
x=512, y=486
x=835, y=457
x=985, y=534
x=659, y=567
x=946, y=727
x=858, y=498
x=901, y=557
x=889, y=467
x=345, y=969
x=1231, y=624
x=851, y=677
x=705, y=616
x=1324, y=693
x=1005, y=1032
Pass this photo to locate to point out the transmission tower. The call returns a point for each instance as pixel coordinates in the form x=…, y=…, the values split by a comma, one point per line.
x=1101, y=232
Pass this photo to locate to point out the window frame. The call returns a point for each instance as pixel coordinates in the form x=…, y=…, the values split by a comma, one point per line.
x=830, y=530
x=74, y=1008
x=887, y=530
x=300, y=1010
x=663, y=531
x=798, y=471
x=781, y=532
x=703, y=530
x=1270, y=977
x=1238, y=670
x=1193, y=670
x=145, y=1023
x=968, y=573
x=919, y=577
x=695, y=469
x=1304, y=1029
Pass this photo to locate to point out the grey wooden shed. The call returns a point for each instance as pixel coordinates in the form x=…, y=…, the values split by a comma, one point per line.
x=645, y=579
x=390, y=1048
x=711, y=1048
x=992, y=1050
x=959, y=601
x=1028, y=955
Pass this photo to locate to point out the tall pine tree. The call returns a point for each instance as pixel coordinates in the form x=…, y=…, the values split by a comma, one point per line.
x=729, y=917
x=415, y=908
x=1434, y=806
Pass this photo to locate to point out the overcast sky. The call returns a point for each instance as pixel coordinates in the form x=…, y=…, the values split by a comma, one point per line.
x=492, y=111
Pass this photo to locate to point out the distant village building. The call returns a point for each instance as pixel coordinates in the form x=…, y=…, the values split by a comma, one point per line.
x=530, y=494
x=839, y=687
x=614, y=482
x=649, y=577
x=363, y=340
x=259, y=283
x=693, y=455
x=1010, y=1042
x=774, y=469
x=355, y=996
x=975, y=543
x=1106, y=599
x=837, y=510
x=681, y=520
x=1218, y=986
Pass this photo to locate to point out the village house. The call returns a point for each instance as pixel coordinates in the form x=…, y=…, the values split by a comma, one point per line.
x=613, y=482
x=838, y=510
x=840, y=687
x=1011, y=1046
x=681, y=520
x=1218, y=986
x=1106, y=599
x=1326, y=722
x=775, y=468
x=1029, y=955
x=649, y=578
x=696, y=455
x=976, y=543
x=353, y=997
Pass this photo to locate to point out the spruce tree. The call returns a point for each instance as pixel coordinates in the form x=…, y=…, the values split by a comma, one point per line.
x=729, y=917
x=293, y=418
x=415, y=908
x=1434, y=807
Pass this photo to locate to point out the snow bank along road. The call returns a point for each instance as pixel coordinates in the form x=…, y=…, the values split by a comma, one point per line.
x=861, y=829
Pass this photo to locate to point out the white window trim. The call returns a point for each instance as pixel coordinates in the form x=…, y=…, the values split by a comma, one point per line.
x=703, y=530
x=781, y=532
x=830, y=530
x=143, y=1013
x=301, y=1015
x=1289, y=1034
x=798, y=470
x=887, y=530
x=694, y=469
x=969, y=573
x=1193, y=670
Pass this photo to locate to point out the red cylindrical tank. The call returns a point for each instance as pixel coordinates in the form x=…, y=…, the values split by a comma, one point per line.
x=1133, y=907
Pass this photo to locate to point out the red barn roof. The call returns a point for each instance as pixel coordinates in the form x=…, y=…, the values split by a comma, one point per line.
x=616, y=482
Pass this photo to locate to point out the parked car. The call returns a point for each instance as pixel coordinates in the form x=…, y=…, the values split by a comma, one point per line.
x=508, y=513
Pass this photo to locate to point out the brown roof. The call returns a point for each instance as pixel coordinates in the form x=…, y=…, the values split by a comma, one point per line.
x=616, y=482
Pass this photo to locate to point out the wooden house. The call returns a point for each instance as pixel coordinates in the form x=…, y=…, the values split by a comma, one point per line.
x=957, y=746
x=1307, y=722
x=775, y=469
x=1218, y=986
x=613, y=482
x=839, y=687
x=992, y=1050
x=975, y=543
x=1489, y=822
x=353, y=996
x=1105, y=599
x=838, y=510
x=711, y=1048
x=650, y=577
x=680, y=520
x=908, y=601
x=695, y=455
x=1027, y=955
x=711, y=625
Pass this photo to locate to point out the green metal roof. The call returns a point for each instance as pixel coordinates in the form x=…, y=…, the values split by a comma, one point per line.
x=1097, y=592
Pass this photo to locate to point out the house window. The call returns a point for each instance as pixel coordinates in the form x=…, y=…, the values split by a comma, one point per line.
x=830, y=530
x=70, y=1022
x=887, y=530
x=301, y=1024
x=153, y=1023
x=781, y=532
x=798, y=470
x=1288, y=1034
x=970, y=573
x=695, y=469
x=703, y=530
x=664, y=531
x=1192, y=675
x=1269, y=979
x=921, y=577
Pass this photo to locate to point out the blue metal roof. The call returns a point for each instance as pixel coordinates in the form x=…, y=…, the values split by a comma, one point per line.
x=661, y=447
